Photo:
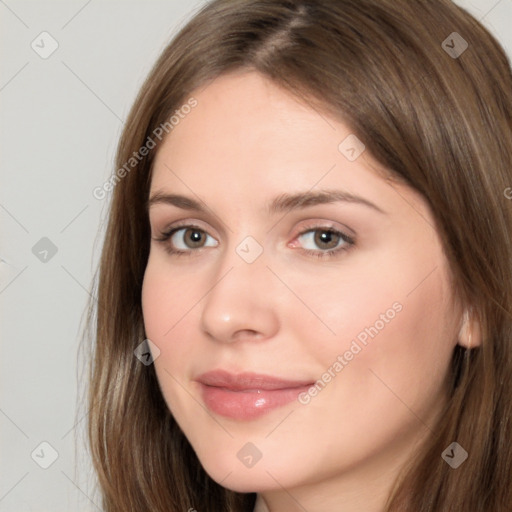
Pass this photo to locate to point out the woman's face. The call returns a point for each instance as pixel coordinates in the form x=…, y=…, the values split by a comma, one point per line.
x=304, y=338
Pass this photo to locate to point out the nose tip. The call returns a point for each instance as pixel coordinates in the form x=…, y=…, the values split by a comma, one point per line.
x=240, y=306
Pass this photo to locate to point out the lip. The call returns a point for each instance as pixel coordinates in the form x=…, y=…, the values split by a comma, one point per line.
x=247, y=396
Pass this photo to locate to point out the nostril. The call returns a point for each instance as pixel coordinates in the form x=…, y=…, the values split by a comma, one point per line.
x=249, y=333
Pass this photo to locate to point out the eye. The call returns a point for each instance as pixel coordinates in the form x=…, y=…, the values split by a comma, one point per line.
x=190, y=238
x=186, y=239
x=324, y=241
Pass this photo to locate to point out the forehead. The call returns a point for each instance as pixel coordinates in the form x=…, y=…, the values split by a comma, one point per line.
x=241, y=109
x=248, y=138
x=244, y=118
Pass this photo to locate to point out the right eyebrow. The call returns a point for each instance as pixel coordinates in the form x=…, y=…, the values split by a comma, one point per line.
x=183, y=202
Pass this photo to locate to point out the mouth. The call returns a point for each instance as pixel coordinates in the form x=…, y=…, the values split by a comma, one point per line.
x=247, y=396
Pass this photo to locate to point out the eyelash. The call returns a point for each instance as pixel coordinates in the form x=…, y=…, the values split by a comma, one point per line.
x=348, y=240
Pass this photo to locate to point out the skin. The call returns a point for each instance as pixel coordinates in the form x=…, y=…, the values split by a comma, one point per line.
x=290, y=314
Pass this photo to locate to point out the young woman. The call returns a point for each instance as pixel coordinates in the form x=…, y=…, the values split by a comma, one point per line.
x=305, y=293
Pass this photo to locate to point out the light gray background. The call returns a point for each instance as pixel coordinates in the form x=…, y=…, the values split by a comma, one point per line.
x=60, y=120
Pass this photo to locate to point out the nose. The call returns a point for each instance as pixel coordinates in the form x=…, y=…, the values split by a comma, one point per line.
x=242, y=301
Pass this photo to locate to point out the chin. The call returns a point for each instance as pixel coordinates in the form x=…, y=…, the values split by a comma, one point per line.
x=238, y=479
x=233, y=475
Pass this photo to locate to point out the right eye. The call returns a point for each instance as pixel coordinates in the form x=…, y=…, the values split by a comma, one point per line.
x=186, y=239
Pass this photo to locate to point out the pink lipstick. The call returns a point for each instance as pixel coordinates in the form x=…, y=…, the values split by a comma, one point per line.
x=247, y=396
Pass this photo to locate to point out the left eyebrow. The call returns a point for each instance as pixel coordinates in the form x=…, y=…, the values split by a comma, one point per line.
x=289, y=202
x=282, y=203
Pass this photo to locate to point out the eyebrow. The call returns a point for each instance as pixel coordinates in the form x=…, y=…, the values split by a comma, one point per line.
x=280, y=204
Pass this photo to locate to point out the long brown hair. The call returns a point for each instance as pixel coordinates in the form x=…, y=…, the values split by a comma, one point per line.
x=436, y=113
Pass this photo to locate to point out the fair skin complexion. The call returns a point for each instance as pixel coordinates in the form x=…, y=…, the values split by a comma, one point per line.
x=290, y=314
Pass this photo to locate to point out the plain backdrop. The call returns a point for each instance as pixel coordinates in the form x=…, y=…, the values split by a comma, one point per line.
x=60, y=119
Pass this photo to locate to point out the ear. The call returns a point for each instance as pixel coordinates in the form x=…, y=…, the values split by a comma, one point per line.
x=470, y=333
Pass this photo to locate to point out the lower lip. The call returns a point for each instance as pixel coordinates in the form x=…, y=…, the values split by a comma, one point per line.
x=247, y=405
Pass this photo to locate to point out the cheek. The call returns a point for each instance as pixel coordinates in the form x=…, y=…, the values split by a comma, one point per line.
x=167, y=306
x=172, y=300
x=395, y=337
x=358, y=308
x=392, y=322
x=166, y=298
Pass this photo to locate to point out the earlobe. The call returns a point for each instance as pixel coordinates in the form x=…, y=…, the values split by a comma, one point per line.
x=470, y=333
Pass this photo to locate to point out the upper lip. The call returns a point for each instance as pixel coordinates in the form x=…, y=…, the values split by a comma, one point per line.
x=248, y=381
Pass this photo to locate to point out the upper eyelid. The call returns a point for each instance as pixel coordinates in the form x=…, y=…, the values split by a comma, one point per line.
x=333, y=225
x=184, y=224
x=204, y=222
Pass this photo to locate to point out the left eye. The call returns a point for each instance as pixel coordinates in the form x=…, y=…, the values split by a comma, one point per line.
x=326, y=239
